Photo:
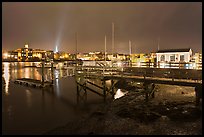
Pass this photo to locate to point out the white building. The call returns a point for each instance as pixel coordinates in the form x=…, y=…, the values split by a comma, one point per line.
x=174, y=55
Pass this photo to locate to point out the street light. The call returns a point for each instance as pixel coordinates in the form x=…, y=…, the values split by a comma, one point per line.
x=5, y=55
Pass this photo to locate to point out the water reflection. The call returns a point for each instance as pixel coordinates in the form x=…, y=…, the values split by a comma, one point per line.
x=29, y=97
x=33, y=111
x=6, y=76
x=27, y=72
x=57, y=87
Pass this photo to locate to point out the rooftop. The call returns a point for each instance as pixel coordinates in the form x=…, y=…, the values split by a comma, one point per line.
x=174, y=50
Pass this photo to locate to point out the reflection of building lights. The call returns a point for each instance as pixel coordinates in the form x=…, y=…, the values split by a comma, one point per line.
x=119, y=64
x=139, y=64
x=28, y=97
x=27, y=73
x=57, y=87
x=6, y=76
x=37, y=75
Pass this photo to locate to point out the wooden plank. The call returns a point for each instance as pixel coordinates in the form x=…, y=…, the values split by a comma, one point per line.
x=91, y=90
x=158, y=81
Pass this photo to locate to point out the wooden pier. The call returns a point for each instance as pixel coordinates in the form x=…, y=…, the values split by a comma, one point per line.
x=148, y=76
x=33, y=83
x=37, y=83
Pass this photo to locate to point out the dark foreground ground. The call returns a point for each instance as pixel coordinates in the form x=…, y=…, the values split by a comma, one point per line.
x=171, y=112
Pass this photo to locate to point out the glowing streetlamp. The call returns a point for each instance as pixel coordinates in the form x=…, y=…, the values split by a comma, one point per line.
x=5, y=55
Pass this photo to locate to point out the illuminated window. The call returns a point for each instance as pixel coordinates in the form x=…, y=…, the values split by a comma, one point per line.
x=181, y=57
x=162, y=58
x=172, y=58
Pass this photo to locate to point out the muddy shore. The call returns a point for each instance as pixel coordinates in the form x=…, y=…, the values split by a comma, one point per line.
x=171, y=112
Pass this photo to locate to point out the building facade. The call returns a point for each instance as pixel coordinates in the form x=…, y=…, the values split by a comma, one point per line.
x=174, y=55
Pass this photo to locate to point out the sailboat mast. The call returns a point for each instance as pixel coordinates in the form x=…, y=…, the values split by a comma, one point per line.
x=105, y=48
x=112, y=37
x=76, y=44
x=158, y=43
x=130, y=47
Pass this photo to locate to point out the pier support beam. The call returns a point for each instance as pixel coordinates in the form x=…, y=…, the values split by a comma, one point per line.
x=43, y=78
x=77, y=94
x=146, y=91
x=52, y=72
x=149, y=90
x=112, y=88
x=198, y=94
x=81, y=92
x=104, y=89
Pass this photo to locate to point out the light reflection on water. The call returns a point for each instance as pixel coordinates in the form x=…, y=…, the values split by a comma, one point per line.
x=57, y=87
x=32, y=111
x=6, y=76
x=29, y=98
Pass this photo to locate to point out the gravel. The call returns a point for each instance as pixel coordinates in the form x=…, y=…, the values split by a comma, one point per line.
x=171, y=112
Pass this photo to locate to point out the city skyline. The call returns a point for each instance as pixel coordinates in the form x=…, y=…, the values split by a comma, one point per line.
x=47, y=25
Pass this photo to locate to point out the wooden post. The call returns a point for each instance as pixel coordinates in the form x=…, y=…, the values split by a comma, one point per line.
x=77, y=93
x=85, y=94
x=43, y=79
x=112, y=90
x=198, y=93
x=104, y=89
x=146, y=91
x=52, y=72
x=152, y=90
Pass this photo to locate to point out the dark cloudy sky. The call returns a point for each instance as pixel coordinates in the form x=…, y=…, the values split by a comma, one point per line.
x=45, y=25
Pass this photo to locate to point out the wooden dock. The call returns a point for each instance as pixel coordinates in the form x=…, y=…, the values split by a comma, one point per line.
x=148, y=76
x=33, y=83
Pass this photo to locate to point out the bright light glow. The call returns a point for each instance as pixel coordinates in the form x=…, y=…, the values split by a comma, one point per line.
x=6, y=76
x=139, y=64
x=56, y=49
x=119, y=64
x=26, y=46
x=26, y=74
x=162, y=65
x=119, y=94
x=5, y=55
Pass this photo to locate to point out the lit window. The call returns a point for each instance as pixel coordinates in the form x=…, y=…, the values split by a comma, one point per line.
x=181, y=57
x=172, y=58
x=162, y=58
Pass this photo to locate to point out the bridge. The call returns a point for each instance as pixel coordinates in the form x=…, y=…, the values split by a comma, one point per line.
x=146, y=75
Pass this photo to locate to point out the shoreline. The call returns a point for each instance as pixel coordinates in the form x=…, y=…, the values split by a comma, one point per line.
x=171, y=112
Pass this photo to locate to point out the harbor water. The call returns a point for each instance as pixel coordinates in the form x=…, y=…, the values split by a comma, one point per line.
x=28, y=110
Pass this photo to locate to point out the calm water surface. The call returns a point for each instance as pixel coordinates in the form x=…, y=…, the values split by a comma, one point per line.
x=27, y=110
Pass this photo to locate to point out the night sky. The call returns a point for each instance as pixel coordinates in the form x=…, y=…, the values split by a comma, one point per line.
x=44, y=25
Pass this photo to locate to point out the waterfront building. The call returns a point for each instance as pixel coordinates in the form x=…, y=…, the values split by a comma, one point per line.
x=63, y=56
x=38, y=54
x=49, y=55
x=197, y=60
x=56, y=56
x=174, y=55
x=138, y=58
x=26, y=53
